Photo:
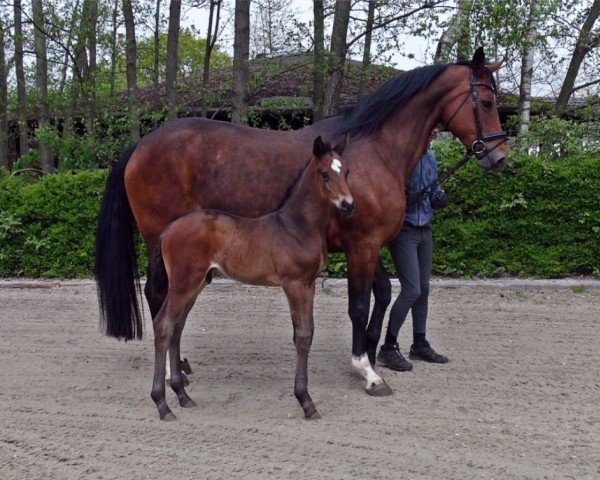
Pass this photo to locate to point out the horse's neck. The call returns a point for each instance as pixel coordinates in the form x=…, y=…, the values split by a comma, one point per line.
x=406, y=133
x=306, y=207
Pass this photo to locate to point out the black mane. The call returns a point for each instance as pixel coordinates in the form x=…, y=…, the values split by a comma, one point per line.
x=394, y=94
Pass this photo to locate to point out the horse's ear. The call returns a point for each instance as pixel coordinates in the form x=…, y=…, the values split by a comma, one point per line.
x=341, y=146
x=319, y=147
x=478, y=62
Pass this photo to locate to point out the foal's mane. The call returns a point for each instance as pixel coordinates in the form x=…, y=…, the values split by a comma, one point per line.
x=298, y=178
x=366, y=117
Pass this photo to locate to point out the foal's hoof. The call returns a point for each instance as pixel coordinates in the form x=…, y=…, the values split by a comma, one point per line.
x=379, y=390
x=314, y=416
x=186, y=382
x=168, y=417
x=188, y=403
x=185, y=366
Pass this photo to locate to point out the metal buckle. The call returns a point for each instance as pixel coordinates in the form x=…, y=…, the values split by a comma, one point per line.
x=478, y=147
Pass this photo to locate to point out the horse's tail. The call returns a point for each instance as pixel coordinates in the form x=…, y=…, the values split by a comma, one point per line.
x=115, y=265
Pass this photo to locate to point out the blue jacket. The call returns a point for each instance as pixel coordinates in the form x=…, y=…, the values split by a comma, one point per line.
x=420, y=214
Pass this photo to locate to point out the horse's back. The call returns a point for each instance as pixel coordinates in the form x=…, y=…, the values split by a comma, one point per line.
x=189, y=164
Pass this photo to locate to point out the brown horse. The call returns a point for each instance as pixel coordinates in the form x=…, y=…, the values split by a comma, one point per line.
x=191, y=163
x=285, y=248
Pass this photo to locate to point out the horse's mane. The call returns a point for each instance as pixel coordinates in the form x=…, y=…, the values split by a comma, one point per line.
x=297, y=179
x=366, y=117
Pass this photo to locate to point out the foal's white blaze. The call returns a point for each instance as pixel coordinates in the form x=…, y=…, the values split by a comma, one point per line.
x=363, y=366
x=336, y=165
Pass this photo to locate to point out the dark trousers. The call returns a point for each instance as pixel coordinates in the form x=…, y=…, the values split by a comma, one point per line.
x=412, y=253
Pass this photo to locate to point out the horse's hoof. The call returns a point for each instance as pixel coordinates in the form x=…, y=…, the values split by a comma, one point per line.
x=189, y=403
x=185, y=366
x=168, y=417
x=379, y=390
x=314, y=416
x=186, y=382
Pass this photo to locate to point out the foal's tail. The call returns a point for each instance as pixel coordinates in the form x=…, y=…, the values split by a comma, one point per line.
x=115, y=265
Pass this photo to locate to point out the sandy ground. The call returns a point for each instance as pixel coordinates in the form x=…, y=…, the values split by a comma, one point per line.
x=520, y=398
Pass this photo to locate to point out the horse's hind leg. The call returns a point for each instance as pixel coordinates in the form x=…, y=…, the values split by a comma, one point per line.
x=155, y=291
x=177, y=376
x=301, y=298
x=382, y=291
x=164, y=326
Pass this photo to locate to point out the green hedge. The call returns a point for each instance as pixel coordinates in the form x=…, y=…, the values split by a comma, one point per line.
x=539, y=218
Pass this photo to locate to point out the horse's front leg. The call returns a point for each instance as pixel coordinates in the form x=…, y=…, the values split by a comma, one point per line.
x=382, y=291
x=301, y=298
x=361, y=271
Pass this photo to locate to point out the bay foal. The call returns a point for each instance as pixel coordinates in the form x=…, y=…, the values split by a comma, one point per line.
x=286, y=248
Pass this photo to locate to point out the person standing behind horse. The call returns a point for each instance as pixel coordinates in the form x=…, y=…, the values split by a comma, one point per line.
x=412, y=254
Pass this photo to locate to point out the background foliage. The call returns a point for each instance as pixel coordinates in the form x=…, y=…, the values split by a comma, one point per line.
x=539, y=218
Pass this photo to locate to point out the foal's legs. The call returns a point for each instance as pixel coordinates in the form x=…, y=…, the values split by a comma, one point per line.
x=170, y=319
x=362, y=261
x=301, y=298
x=178, y=378
x=382, y=291
x=155, y=292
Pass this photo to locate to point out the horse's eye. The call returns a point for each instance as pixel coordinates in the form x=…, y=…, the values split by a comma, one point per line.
x=324, y=176
x=347, y=173
x=486, y=104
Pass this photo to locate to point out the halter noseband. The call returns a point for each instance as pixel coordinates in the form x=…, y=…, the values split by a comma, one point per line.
x=479, y=145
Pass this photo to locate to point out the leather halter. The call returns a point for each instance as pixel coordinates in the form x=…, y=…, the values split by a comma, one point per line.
x=479, y=147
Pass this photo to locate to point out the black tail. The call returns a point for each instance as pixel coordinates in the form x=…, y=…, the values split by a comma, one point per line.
x=116, y=261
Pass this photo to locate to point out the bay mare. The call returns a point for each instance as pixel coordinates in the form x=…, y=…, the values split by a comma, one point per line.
x=189, y=164
x=285, y=248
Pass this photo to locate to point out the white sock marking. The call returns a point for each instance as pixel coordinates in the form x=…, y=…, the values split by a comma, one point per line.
x=361, y=365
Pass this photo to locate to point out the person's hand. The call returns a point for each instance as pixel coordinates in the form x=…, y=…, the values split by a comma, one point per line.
x=439, y=199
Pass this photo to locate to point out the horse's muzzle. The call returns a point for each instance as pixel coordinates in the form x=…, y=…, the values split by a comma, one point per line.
x=347, y=209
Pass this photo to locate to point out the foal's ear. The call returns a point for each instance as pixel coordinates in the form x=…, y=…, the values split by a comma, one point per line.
x=340, y=147
x=319, y=148
x=478, y=62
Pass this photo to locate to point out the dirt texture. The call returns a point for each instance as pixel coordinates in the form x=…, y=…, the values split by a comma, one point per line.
x=520, y=398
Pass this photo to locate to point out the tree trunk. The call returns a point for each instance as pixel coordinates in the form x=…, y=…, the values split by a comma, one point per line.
x=4, y=162
x=41, y=80
x=113, y=47
x=155, y=76
x=172, y=55
x=337, y=56
x=90, y=20
x=241, y=53
x=527, y=69
x=583, y=46
x=130, y=54
x=67, y=57
x=463, y=30
x=211, y=38
x=446, y=42
x=20, y=76
x=319, y=66
x=366, y=63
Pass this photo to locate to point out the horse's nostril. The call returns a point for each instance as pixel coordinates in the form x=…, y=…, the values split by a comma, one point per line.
x=347, y=208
